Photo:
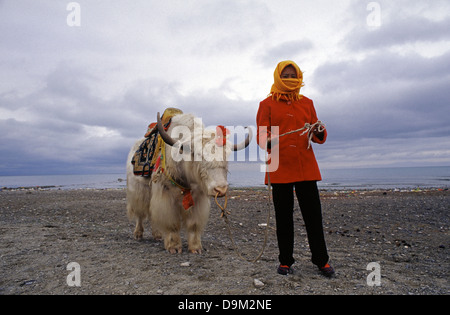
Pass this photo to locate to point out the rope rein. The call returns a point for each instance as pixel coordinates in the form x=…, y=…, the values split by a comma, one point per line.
x=225, y=215
x=307, y=129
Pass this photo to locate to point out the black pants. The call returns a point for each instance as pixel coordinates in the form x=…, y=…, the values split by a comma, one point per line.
x=309, y=201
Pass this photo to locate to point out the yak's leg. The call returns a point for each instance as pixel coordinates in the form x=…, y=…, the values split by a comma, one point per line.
x=157, y=235
x=138, y=201
x=196, y=220
x=171, y=234
x=194, y=236
x=165, y=217
x=172, y=242
x=139, y=217
x=139, y=230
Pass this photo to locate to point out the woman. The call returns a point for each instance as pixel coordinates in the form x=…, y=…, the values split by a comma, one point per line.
x=286, y=110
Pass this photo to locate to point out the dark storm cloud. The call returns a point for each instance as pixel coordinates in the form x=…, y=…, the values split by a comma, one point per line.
x=390, y=104
x=74, y=99
x=399, y=32
x=68, y=123
x=386, y=95
x=401, y=22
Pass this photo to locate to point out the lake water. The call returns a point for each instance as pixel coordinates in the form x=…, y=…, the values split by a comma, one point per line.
x=249, y=175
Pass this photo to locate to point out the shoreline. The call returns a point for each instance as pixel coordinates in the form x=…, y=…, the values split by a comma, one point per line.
x=253, y=188
x=246, y=176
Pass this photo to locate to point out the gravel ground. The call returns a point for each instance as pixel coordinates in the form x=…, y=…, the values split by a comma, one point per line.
x=42, y=231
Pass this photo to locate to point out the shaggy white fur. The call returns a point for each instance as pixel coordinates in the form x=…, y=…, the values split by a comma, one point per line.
x=202, y=168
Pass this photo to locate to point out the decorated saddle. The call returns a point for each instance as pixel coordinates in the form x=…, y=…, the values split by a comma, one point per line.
x=145, y=159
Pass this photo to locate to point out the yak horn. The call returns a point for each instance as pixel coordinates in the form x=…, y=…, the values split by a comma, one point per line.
x=168, y=139
x=164, y=135
x=246, y=142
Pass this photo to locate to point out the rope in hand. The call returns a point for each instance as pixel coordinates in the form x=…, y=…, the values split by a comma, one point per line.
x=308, y=128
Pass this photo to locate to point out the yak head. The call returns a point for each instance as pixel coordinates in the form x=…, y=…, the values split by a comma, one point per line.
x=196, y=157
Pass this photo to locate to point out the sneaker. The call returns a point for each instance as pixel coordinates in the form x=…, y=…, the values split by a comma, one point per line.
x=327, y=271
x=285, y=270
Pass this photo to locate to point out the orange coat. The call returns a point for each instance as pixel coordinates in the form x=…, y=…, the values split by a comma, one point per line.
x=296, y=162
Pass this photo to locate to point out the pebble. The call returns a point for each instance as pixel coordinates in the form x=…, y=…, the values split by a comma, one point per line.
x=258, y=283
x=186, y=264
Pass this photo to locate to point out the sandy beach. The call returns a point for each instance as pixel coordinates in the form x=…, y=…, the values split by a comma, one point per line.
x=42, y=231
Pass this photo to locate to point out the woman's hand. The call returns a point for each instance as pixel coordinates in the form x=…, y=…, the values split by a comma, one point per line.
x=319, y=134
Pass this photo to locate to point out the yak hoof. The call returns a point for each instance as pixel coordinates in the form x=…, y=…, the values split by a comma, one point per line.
x=175, y=250
x=138, y=235
x=196, y=251
x=157, y=236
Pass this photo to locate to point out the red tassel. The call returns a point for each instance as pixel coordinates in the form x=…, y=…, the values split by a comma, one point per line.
x=157, y=163
x=221, y=135
x=150, y=129
x=188, y=201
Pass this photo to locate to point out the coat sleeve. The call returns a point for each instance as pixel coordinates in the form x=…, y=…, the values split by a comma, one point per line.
x=263, y=125
x=313, y=121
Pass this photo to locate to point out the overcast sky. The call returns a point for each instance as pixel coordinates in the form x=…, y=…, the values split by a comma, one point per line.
x=73, y=99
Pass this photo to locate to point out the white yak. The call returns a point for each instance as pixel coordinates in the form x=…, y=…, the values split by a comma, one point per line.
x=194, y=165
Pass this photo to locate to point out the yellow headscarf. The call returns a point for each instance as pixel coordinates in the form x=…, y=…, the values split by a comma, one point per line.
x=287, y=89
